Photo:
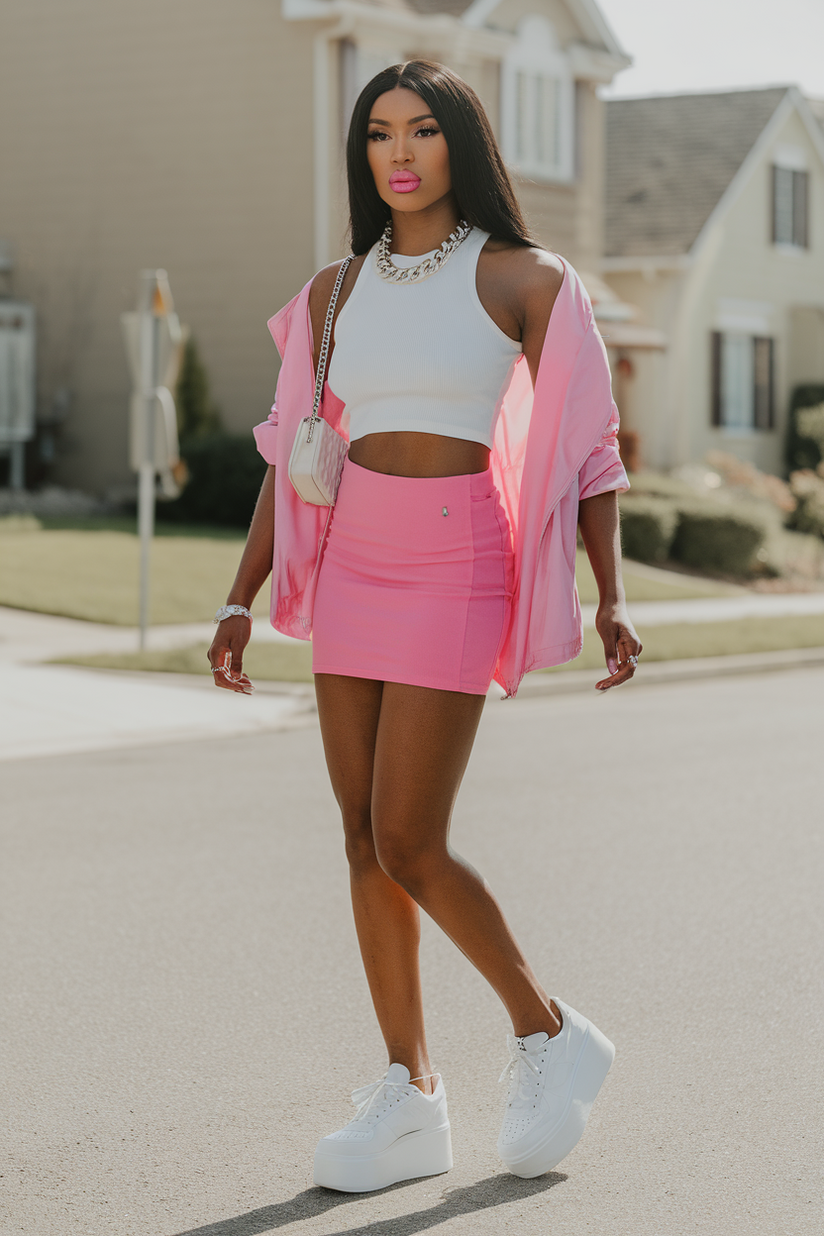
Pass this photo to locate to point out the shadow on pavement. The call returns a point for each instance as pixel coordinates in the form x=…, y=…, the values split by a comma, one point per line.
x=494, y=1191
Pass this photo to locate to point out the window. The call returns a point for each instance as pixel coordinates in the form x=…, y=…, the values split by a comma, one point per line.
x=790, y=205
x=357, y=66
x=742, y=382
x=538, y=110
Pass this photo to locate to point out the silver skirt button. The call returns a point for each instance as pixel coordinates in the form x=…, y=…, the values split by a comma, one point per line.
x=444, y=511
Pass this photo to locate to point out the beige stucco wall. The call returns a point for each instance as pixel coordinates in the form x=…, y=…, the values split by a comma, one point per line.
x=154, y=134
x=183, y=136
x=670, y=402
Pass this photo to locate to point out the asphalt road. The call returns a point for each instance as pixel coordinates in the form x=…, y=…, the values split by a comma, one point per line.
x=184, y=1012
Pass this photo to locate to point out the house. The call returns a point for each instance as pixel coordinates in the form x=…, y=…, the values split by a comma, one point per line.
x=207, y=139
x=715, y=229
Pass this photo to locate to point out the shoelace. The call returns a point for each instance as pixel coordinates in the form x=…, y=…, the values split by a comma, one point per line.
x=523, y=1070
x=373, y=1099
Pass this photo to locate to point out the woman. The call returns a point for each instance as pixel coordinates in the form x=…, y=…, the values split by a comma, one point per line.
x=448, y=559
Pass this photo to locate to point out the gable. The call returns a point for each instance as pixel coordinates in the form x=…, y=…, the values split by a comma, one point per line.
x=670, y=159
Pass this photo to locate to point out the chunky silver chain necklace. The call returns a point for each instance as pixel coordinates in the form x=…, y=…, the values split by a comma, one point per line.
x=413, y=274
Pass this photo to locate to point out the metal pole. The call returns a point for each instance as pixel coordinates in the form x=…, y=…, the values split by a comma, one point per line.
x=146, y=483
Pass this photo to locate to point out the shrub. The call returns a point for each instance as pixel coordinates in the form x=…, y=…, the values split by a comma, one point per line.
x=225, y=475
x=808, y=490
x=197, y=414
x=647, y=528
x=805, y=440
x=659, y=485
x=717, y=539
x=741, y=475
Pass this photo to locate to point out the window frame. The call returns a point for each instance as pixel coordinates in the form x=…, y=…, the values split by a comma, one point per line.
x=760, y=393
x=797, y=181
x=533, y=64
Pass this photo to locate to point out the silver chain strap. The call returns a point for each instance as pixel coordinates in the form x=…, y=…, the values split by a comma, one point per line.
x=324, y=347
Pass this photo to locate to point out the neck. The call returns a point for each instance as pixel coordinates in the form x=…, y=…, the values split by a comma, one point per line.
x=419, y=231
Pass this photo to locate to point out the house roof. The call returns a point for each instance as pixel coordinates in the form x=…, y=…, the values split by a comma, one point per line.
x=816, y=106
x=670, y=159
x=594, y=28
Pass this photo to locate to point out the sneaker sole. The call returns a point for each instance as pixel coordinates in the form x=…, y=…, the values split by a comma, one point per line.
x=594, y=1062
x=428, y=1153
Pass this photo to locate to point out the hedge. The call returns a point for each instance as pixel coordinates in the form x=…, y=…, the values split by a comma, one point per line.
x=803, y=452
x=647, y=528
x=703, y=535
x=225, y=475
x=716, y=539
x=808, y=490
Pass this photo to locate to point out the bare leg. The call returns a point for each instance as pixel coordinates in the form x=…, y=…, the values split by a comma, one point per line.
x=387, y=919
x=396, y=756
x=423, y=744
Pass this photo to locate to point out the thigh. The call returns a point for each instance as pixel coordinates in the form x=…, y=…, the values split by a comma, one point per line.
x=423, y=743
x=349, y=710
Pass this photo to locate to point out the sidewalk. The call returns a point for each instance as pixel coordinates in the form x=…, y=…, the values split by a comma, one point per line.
x=54, y=709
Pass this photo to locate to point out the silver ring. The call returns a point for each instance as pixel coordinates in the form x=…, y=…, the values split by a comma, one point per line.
x=632, y=660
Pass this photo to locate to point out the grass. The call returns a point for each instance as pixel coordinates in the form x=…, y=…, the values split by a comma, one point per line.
x=89, y=569
x=286, y=662
x=94, y=575
x=292, y=662
x=684, y=640
x=645, y=585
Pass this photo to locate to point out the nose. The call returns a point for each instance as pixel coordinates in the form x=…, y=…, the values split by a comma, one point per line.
x=401, y=152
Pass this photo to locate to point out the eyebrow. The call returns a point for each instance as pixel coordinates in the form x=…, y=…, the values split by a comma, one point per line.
x=414, y=120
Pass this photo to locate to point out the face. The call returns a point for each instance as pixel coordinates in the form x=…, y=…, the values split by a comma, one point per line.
x=407, y=152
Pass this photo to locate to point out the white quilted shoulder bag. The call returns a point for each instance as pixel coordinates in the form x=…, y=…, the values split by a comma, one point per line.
x=318, y=451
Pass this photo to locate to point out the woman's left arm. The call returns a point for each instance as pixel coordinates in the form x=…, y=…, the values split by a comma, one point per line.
x=598, y=520
x=536, y=278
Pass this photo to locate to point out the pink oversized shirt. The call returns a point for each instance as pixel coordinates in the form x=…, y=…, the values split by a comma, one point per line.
x=553, y=447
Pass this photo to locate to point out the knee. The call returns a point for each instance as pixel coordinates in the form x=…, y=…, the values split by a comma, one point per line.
x=406, y=860
x=358, y=840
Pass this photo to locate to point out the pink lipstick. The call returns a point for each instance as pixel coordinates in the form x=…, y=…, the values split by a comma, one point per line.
x=404, y=182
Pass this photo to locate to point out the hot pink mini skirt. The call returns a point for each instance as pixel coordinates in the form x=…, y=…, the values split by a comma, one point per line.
x=415, y=584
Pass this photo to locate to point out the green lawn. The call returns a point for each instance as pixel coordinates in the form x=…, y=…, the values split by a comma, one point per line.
x=89, y=569
x=94, y=575
x=293, y=662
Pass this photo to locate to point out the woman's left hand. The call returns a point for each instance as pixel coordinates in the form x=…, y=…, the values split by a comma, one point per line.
x=622, y=646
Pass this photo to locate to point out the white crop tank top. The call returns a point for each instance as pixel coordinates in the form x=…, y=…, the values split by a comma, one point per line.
x=421, y=356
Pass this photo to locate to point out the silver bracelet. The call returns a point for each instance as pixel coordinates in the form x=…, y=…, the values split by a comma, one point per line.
x=227, y=611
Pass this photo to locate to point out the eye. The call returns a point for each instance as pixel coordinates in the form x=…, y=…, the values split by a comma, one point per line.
x=375, y=135
x=427, y=131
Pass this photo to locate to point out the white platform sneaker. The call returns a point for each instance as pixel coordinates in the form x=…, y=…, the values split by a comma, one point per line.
x=553, y=1084
x=399, y=1133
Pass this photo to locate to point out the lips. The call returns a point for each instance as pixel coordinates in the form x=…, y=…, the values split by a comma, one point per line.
x=404, y=182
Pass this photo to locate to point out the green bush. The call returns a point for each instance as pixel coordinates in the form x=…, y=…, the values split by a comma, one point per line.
x=225, y=475
x=647, y=528
x=197, y=414
x=717, y=539
x=808, y=490
x=802, y=450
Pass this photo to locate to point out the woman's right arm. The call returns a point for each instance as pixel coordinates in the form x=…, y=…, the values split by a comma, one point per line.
x=232, y=636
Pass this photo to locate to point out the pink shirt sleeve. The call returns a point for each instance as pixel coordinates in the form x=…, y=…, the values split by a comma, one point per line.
x=603, y=470
x=266, y=436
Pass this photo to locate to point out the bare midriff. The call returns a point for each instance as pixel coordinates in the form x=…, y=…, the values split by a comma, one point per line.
x=405, y=453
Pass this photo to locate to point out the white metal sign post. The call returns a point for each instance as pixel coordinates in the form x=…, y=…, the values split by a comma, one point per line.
x=153, y=339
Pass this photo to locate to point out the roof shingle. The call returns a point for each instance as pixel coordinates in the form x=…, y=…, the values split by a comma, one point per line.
x=670, y=159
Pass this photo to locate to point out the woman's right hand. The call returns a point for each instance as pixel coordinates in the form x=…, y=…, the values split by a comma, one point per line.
x=226, y=654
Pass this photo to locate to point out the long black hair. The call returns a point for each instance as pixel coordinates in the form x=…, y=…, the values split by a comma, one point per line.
x=480, y=181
